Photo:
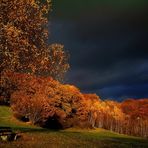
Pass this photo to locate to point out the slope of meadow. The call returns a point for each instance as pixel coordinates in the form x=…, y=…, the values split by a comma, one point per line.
x=37, y=137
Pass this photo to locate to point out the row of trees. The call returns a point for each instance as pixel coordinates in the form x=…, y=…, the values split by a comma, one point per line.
x=128, y=117
x=48, y=103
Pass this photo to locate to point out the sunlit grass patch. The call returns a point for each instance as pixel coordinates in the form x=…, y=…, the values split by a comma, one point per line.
x=33, y=136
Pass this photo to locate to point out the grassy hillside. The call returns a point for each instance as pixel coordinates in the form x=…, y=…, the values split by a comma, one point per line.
x=37, y=137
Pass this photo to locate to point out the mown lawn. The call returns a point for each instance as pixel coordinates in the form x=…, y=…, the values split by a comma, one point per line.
x=36, y=137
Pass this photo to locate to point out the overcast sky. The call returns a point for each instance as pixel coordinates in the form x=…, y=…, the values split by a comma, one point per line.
x=108, y=45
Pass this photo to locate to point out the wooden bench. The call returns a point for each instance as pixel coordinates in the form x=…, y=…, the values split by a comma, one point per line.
x=6, y=134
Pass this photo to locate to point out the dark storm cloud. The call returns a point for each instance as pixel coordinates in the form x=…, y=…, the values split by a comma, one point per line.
x=124, y=73
x=109, y=52
x=123, y=92
x=120, y=82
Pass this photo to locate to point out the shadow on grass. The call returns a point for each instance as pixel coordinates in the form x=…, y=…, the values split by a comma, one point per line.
x=33, y=129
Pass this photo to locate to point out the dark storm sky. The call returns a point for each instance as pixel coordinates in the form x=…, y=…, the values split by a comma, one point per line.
x=108, y=45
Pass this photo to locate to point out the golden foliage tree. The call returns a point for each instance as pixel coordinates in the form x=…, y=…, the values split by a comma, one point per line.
x=44, y=101
x=23, y=39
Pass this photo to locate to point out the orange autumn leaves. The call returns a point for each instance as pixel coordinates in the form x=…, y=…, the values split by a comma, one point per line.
x=136, y=108
x=24, y=37
x=37, y=99
x=42, y=100
x=128, y=117
x=26, y=59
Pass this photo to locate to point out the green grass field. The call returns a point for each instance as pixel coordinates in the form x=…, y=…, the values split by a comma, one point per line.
x=36, y=137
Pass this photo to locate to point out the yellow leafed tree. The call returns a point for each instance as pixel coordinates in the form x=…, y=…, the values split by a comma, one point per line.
x=24, y=40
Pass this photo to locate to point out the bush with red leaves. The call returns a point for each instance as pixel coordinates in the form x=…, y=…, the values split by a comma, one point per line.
x=44, y=101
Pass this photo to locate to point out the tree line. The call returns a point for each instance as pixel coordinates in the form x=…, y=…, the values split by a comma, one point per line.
x=48, y=103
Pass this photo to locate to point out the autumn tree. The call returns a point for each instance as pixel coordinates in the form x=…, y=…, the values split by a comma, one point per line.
x=137, y=116
x=24, y=40
x=24, y=43
x=47, y=102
